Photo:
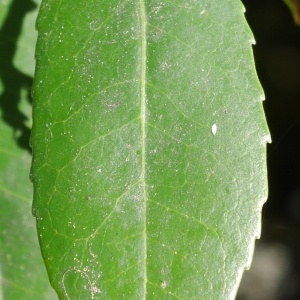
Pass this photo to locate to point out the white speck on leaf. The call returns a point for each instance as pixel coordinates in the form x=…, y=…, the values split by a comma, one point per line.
x=214, y=129
x=163, y=284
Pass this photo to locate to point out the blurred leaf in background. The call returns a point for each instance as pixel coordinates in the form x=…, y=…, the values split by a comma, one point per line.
x=22, y=271
x=294, y=6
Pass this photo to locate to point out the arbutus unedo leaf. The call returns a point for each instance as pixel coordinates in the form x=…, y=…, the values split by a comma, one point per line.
x=148, y=148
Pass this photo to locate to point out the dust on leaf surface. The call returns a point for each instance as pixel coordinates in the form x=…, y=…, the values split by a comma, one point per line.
x=134, y=196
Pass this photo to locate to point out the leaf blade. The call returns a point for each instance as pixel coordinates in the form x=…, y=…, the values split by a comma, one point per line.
x=139, y=195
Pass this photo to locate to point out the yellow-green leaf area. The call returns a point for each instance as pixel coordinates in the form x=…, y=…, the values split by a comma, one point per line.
x=148, y=148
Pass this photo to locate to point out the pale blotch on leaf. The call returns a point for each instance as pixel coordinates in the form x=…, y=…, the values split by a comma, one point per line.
x=163, y=284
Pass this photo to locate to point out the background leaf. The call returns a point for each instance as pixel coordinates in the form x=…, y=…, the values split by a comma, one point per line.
x=22, y=271
x=135, y=196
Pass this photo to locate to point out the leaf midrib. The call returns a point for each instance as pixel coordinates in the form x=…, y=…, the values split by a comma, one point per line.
x=143, y=130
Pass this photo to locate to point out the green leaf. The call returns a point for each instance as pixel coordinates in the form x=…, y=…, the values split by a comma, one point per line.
x=148, y=148
x=22, y=271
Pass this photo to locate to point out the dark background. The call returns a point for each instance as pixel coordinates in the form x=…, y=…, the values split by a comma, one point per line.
x=275, y=274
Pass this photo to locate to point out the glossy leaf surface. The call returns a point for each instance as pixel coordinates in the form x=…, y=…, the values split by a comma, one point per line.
x=149, y=148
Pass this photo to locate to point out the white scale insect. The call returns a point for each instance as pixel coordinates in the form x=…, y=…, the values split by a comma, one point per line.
x=214, y=129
